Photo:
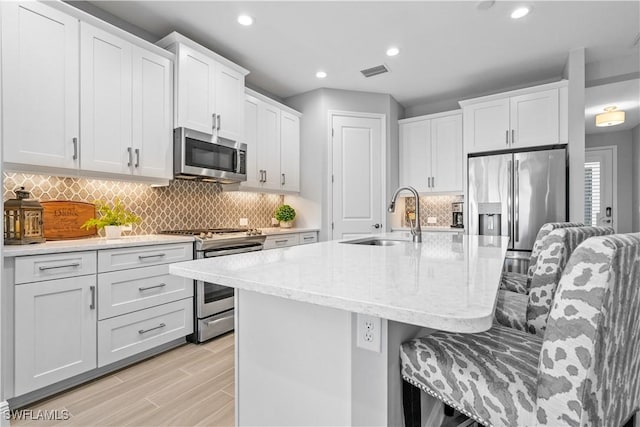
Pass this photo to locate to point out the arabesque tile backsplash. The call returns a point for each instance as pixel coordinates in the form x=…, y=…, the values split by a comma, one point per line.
x=434, y=206
x=181, y=205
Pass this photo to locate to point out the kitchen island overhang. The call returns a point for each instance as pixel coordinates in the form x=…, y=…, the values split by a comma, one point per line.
x=296, y=357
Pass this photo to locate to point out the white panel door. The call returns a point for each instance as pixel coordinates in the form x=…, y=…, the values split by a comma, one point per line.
x=486, y=126
x=55, y=326
x=152, y=114
x=289, y=152
x=600, y=184
x=269, y=145
x=357, y=171
x=446, y=154
x=251, y=120
x=535, y=119
x=196, y=90
x=415, y=158
x=105, y=101
x=229, y=95
x=40, y=75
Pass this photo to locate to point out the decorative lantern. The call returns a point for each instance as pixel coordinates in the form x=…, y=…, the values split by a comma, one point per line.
x=23, y=220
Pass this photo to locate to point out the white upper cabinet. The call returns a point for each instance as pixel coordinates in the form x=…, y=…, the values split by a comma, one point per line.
x=40, y=87
x=431, y=158
x=272, y=134
x=105, y=101
x=209, y=91
x=518, y=119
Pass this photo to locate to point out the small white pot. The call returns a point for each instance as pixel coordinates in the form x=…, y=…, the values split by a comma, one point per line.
x=113, y=231
x=286, y=224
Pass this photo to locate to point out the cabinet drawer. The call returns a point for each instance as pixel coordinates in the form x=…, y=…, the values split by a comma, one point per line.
x=142, y=256
x=280, y=241
x=121, y=292
x=311, y=237
x=129, y=334
x=35, y=268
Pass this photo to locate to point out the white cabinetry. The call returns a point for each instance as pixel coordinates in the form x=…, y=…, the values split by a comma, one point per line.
x=282, y=240
x=82, y=97
x=126, y=107
x=272, y=135
x=209, y=90
x=519, y=119
x=40, y=74
x=55, y=320
x=431, y=158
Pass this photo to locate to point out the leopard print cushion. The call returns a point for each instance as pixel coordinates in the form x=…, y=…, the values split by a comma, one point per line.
x=511, y=309
x=490, y=376
x=590, y=361
x=555, y=251
x=514, y=282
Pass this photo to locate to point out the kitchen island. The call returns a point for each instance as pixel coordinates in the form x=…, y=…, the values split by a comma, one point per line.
x=297, y=358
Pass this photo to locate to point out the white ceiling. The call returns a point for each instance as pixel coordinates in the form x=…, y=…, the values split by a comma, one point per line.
x=625, y=95
x=448, y=49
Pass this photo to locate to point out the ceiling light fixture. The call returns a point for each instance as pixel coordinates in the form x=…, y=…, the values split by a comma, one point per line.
x=321, y=74
x=393, y=51
x=520, y=12
x=610, y=117
x=245, y=20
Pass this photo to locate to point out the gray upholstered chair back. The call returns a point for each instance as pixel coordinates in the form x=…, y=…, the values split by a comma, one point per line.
x=589, y=366
x=537, y=244
x=555, y=250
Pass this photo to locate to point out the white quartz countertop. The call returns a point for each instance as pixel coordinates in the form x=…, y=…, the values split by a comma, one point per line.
x=90, y=244
x=447, y=282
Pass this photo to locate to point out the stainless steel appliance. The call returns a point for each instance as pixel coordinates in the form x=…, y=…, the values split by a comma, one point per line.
x=214, y=304
x=197, y=155
x=515, y=193
x=457, y=220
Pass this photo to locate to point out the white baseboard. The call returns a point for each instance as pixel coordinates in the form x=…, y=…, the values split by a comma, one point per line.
x=5, y=414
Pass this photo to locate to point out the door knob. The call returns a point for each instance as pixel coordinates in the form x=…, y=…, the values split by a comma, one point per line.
x=377, y=225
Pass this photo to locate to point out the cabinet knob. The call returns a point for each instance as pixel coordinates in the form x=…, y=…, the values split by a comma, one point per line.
x=506, y=136
x=376, y=226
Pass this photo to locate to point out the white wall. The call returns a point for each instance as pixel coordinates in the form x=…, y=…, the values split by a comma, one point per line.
x=314, y=168
x=635, y=178
x=622, y=140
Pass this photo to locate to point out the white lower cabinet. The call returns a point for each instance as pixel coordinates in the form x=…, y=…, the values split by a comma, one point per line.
x=309, y=237
x=132, y=333
x=55, y=331
x=274, y=241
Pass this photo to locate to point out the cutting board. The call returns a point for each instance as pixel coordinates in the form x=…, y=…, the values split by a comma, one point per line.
x=63, y=218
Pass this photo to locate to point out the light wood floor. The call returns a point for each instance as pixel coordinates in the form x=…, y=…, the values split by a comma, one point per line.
x=192, y=385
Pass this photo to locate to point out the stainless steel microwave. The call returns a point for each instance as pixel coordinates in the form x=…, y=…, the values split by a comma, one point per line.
x=198, y=155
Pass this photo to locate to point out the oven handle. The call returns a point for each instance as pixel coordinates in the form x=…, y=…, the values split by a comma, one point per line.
x=216, y=253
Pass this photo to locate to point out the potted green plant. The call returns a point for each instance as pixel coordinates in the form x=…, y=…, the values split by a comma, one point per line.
x=285, y=214
x=112, y=219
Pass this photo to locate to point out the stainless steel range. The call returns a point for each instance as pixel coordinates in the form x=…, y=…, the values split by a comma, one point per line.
x=214, y=306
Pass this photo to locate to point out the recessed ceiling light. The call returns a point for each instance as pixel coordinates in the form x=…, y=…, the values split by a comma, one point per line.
x=393, y=51
x=321, y=74
x=520, y=12
x=245, y=20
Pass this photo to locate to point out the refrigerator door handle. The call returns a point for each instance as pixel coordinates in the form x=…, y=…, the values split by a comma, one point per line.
x=509, y=194
x=516, y=197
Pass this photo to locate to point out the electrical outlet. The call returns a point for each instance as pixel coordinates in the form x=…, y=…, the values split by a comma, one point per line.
x=244, y=221
x=432, y=220
x=368, y=332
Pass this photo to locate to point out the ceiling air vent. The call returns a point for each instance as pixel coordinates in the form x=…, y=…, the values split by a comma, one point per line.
x=374, y=71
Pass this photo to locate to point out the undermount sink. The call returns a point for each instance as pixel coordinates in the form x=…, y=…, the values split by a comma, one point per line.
x=375, y=241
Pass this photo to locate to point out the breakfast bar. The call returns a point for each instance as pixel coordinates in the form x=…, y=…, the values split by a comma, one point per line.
x=302, y=314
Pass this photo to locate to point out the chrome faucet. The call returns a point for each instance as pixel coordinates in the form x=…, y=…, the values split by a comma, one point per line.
x=416, y=231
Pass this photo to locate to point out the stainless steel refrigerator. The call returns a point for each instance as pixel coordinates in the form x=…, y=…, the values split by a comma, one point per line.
x=514, y=194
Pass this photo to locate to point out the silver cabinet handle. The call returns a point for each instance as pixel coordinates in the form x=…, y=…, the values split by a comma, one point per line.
x=144, y=331
x=506, y=136
x=516, y=205
x=281, y=241
x=93, y=297
x=219, y=121
x=75, y=148
x=151, y=256
x=513, y=136
x=265, y=176
x=433, y=181
x=429, y=181
x=137, y=157
x=509, y=191
x=284, y=180
x=146, y=288
x=214, y=121
x=51, y=267
x=311, y=237
x=130, y=156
